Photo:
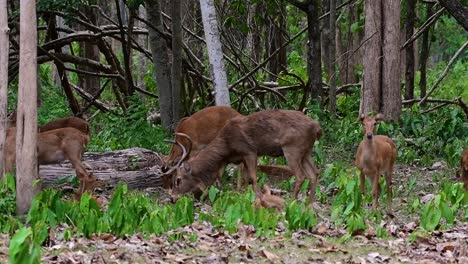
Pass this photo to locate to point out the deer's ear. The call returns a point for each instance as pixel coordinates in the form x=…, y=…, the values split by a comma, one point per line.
x=379, y=117
x=361, y=117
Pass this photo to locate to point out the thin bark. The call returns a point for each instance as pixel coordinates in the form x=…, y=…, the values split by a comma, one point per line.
x=424, y=27
x=457, y=10
x=391, y=84
x=372, y=80
x=26, y=132
x=314, y=65
x=409, y=52
x=332, y=69
x=424, y=54
x=215, y=52
x=128, y=72
x=177, y=81
x=4, y=50
x=160, y=60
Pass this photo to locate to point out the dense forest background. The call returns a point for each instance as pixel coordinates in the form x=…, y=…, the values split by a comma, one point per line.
x=134, y=68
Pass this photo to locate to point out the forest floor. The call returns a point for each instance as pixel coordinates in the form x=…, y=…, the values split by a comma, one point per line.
x=321, y=245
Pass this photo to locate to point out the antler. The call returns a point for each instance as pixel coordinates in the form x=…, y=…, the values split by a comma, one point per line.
x=184, y=152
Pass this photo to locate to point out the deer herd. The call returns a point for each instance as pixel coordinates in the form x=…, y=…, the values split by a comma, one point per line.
x=206, y=142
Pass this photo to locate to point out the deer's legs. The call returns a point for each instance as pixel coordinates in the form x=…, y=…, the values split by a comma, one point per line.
x=241, y=176
x=375, y=190
x=295, y=164
x=250, y=163
x=388, y=181
x=312, y=173
x=363, y=182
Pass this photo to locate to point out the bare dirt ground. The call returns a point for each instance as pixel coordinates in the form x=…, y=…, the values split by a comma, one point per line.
x=321, y=245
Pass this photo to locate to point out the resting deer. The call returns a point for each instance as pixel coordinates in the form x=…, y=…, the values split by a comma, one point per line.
x=54, y=146
x=268, y=200
x=243, y=139
x=464, y=168
x=375, y=156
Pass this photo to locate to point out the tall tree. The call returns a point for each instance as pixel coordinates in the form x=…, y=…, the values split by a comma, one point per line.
x=409, y=52
x=381, y=60
x=159, y=50
x=391, y=83
x=314, y=63
x=332, y=67
x=370, y=94
x=177, y=79
x=26, y=126
x=89, y=50
x=425, y=53
x=215, y=52
x=4, y=51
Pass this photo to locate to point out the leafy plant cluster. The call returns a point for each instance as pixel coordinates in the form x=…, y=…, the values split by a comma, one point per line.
x=230, y=208
x=7, y=204
x=451, y=201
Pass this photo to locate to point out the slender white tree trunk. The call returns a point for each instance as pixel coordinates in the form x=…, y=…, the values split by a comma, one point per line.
x=26, y=130
x=215, y=52
x=3, y=80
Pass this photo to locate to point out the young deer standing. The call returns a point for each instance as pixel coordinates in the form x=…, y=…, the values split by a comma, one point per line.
x=375, y=156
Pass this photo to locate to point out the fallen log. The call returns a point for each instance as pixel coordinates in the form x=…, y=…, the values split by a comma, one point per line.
x=137, y=167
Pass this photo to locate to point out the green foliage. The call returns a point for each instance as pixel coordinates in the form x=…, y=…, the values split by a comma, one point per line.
x=8, y=204
x=300, y=216
x=126, y=131
x=347, y=206
x=23, y=250
x=445, y=205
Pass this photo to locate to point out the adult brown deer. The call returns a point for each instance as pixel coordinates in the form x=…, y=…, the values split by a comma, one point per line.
x=243, y=139
x=75, y=122
x=464, y=168
x=198, y=130
x=375, y=156
x=54, y=146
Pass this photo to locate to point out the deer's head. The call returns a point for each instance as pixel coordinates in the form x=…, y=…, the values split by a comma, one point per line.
x=370, y=123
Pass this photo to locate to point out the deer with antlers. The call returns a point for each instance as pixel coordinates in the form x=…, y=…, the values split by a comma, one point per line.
x=375, y=156
x=242, y=140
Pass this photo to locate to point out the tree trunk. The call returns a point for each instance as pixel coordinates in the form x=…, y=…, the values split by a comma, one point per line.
x=425, y=54
x=332, y=68
x=26, y=137
x=89, y=50
x=161, y=61
x=391, y=84
x=325, y=37
x=4, y=51
x=409, y=66
x=215, y=52
x=314, y=64
x=177, y=81
x=372, y=80
x=143, y=40
x=457, y=10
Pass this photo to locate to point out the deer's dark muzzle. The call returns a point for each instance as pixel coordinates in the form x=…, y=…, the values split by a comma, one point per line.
x=369, y=135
